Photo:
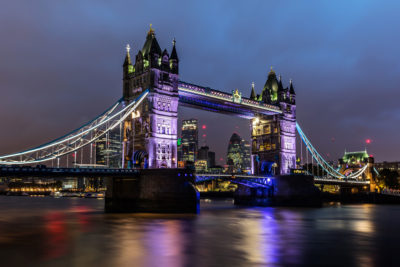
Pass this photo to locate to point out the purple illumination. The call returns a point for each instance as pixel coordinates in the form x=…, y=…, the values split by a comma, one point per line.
x=155, y=130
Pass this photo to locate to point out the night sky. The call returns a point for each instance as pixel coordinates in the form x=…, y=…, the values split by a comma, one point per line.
x=61, y=64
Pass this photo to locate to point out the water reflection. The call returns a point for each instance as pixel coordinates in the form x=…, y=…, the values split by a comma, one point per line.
x=55, y=235
x=78, y=233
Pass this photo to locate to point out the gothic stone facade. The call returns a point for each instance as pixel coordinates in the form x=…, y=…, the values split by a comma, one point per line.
x=150, y=135
x=274, y=136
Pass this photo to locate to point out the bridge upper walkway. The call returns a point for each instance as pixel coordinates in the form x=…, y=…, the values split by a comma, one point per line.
x=218, y=101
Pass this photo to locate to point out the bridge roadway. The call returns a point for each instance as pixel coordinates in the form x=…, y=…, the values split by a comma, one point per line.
x=263, y=180
x=26, y=171
x=250, y=180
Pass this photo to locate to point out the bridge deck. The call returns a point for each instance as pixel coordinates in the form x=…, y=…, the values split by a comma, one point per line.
x=25, y=171
x=213, y=100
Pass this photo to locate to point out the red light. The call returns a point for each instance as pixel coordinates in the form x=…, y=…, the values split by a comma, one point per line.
x=204, y=126
x=204, y=135
x=368, y=141
x=371, y=156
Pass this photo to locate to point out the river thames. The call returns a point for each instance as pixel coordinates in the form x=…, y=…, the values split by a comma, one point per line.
x=43, y=231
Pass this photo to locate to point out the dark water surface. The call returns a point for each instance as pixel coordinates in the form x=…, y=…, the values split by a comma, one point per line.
x=76, y=232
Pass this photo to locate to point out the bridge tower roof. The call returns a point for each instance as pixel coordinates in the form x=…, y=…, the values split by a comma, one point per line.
x=151, y=45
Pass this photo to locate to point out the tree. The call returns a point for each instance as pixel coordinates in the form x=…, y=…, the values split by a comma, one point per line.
x=388, y=179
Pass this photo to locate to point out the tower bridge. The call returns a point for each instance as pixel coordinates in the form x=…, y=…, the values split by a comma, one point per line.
x=147, y=115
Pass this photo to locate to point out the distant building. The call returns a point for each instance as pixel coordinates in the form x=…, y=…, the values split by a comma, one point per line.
x=205, y=159
x=211, y=159
x=109, y=149
x=353, y=161
x=393, y=166
x=246, y=149
x=203, y=153
x=354, y=158
x=238, y=155
x=201, y=165
x=189, y=140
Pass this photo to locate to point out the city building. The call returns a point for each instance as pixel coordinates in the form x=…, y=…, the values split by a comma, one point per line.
x=108, y=149
x=355, y=158
x=189, y=144
x=211, y=159
x=234, y=157
x=205, y=159
x=351, y=162
x=393, y=166
x=246, y=150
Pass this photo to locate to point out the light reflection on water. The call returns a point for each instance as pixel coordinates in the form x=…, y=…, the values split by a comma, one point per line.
x=76, y=232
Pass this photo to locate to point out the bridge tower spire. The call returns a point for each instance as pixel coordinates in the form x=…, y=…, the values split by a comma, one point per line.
x=253, y=92
x=150, y=135
x=127, y=69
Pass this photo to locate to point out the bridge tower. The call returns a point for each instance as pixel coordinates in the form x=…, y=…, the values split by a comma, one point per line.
x=150, y=134
x=274, y=136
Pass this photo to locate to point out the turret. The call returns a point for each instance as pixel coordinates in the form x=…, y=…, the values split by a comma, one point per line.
x=174, y=60
x=292, y=94
x=253, y=92
x=127, y=69
x=282, y=92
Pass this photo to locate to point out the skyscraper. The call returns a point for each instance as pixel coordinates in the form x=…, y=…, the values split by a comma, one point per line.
x=108, y=149
x=246, y=156
x=238, y=155
x=234, y=158
x=189, y=140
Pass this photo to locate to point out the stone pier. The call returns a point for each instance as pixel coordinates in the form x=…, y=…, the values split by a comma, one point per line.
x=286, y=190
x=153, y=190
